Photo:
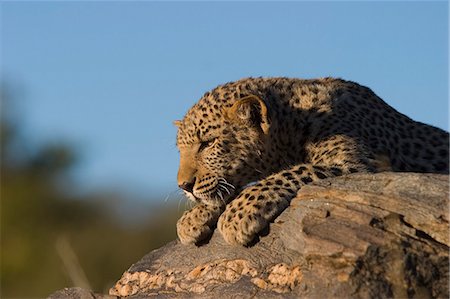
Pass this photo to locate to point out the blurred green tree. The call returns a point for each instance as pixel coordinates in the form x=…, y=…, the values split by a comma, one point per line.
x=52, y=237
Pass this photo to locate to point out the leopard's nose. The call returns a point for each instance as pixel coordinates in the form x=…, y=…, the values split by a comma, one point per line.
x=187, y=186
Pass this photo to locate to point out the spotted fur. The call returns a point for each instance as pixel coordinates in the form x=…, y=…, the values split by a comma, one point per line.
x=247, y=147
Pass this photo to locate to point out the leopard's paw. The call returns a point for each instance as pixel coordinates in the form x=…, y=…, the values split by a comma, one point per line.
x=197, y=224
x=248, y=215
x=240, y=230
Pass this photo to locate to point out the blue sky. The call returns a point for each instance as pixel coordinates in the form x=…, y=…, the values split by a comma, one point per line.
x=110, y=77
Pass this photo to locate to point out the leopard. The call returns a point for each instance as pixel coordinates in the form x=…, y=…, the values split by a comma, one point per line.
x=248, y=147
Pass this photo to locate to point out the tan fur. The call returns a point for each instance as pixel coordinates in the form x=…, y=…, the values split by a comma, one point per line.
x=280, y=134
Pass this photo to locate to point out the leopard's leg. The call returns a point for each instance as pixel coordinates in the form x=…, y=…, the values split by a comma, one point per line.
x=251, y=211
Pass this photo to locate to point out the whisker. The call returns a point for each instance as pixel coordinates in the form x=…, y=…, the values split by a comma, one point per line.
x=229, y=192
x=225, y=183
x=221, y=197
x=179, y=202
x=223, y=188
x=167, y=197
x=170, y=194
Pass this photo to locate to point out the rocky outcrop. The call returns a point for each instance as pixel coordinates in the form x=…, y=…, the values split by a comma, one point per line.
x=359, y=236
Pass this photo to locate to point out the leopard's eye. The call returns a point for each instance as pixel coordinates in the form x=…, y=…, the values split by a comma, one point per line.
x=205, y=144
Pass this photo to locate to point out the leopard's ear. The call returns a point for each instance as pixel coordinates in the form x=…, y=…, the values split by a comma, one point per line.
x=177, y=123
x=250, y=110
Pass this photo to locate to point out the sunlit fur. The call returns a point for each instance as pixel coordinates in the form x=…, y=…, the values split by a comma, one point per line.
x=230, y=161
x=247, y=148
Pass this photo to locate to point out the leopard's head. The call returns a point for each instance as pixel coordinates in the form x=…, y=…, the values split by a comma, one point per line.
x=222, y=142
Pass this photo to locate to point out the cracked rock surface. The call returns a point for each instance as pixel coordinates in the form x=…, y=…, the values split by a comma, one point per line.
x=358, y=236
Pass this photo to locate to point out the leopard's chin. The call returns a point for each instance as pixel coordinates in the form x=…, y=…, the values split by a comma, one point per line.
x=216, y=198
x=192, y=197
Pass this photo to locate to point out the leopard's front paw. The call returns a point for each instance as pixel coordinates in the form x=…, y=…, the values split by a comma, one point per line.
x=196, y=224
x=248, y=215
x=239, y=227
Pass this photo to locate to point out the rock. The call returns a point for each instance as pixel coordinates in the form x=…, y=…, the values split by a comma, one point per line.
x=360, y=236
x=78, y=293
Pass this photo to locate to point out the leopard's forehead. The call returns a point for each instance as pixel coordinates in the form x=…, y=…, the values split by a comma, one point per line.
x=204, y=118
x=207, y=115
